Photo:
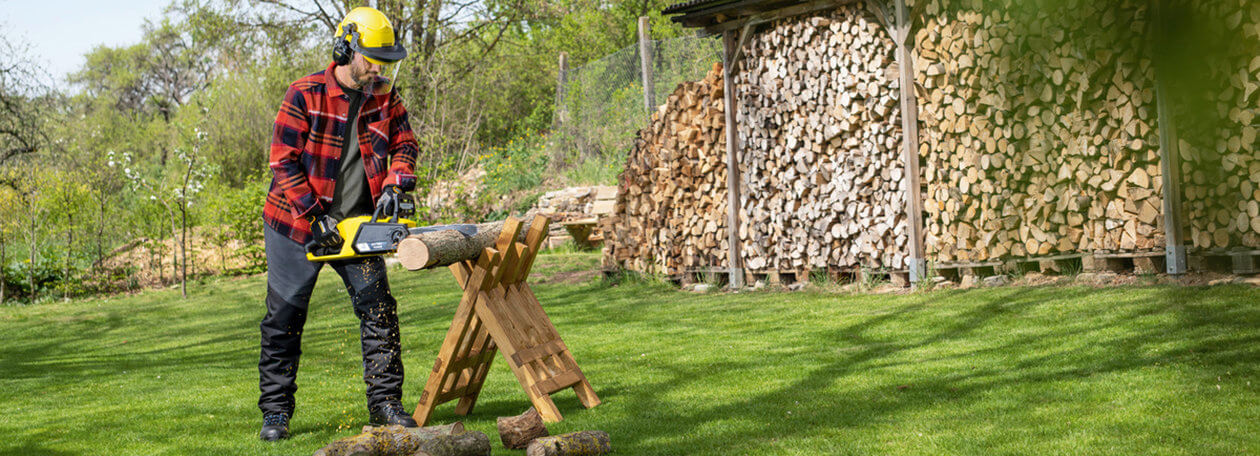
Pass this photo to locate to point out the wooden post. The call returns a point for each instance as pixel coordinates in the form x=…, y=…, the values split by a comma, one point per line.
x=561, y=78
x=910, y=143
x=734, y=259
x=1174, y=233
x=645, y=64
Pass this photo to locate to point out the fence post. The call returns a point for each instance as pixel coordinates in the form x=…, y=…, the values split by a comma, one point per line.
x=561, y=76
x=1174, y=233
x=645, y=63
x=734, y=259
x=910, y=143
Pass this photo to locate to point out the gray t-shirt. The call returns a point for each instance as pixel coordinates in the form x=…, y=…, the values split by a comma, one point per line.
x=351, y=197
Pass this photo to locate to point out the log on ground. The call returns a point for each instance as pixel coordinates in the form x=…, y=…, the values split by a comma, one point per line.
x=396, y=440
x=517, y=431
x=467, y=444
x=428, y=432
x=582, y=443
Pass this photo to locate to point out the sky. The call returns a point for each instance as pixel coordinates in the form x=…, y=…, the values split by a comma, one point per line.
x=59, y=32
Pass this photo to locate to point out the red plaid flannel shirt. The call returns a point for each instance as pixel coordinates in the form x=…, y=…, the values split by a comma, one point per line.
x=306, y=150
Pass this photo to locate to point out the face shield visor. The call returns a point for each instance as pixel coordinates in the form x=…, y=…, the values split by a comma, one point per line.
x=384, y=82
x=385, y=56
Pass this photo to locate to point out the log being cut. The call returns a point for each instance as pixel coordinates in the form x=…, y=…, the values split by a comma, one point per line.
x=443, y=248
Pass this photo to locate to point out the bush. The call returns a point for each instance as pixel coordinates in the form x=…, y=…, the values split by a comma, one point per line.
x=48, y=278
x=520, y=165
x=235, y=214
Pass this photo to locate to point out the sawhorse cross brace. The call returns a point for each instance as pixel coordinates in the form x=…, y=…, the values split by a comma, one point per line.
x=499, y=312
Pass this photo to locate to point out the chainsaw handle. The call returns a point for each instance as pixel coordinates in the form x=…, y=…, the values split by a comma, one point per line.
x=376, y=213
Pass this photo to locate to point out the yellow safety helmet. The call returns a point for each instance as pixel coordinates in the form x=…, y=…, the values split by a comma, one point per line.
x=367, y=31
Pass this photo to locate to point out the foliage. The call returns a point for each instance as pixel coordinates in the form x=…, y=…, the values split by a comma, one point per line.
x=597, y=170
x=236, y=216
x=519, y=165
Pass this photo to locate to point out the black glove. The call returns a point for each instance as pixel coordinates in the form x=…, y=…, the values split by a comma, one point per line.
x=324, y=233
x=387, y=204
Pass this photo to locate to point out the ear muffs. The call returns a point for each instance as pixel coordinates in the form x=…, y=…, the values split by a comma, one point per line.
x=342, y=52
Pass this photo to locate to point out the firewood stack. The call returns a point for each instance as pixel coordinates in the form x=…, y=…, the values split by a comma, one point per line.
x=1038, y=128
x=670, y=214
x=1218, y=146
x=823, y=182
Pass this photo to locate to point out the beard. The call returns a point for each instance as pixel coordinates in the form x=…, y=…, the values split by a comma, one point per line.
x=360, y=75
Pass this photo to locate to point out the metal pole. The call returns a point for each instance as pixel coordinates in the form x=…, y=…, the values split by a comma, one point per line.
x=645, y=63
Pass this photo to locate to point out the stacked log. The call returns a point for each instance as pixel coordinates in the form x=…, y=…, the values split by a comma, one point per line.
x=821, y=176
x=671, y=198
x=1217, y=120
x=1038, y=129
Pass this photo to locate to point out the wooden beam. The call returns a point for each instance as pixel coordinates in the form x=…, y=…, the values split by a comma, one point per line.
x=910, y=146
x=1169, y=156
x=776, y=14
x=743, y=40
x=734, y=259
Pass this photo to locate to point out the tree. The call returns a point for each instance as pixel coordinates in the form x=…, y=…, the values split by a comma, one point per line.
x=22, y=99
x=173, y=188
x=61, y=189
x=9, y=204
x=26, y=186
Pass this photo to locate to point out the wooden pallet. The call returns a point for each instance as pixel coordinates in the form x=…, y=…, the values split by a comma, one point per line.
x=1234, y=261
x=718, y=276
x=1139, y=262
x=499, y=313
x=956, y=271
x=899, y=278
x=777, y=277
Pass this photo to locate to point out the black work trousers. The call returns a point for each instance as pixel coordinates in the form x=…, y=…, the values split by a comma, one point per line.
x=290, y=280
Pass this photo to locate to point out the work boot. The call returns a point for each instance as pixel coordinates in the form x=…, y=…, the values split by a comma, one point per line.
x=391, y=412
x=275, y=427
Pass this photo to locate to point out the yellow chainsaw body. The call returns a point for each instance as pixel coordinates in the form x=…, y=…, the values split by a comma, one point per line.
x=349, y=231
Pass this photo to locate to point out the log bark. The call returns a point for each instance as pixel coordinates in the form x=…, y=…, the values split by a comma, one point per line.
x=445, y=440
x=376, y=441
x=429, y=432
x=517, y=431
x=467, y=444
x=582, y=443
x=444, y=248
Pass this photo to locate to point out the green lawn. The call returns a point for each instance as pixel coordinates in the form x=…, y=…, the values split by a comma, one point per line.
x=1136, y=370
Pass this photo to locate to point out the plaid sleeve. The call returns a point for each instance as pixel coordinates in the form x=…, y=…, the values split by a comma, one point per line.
x=287, y=142
x=402, y=147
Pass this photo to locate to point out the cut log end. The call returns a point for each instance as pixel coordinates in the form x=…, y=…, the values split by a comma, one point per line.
x=413, y=254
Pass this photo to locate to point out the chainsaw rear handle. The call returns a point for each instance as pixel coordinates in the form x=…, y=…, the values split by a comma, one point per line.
x=405, y=207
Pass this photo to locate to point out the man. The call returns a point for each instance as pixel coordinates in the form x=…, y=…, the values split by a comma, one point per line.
x=341, y=140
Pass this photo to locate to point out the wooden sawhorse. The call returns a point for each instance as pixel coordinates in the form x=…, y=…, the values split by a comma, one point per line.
x=499, y=312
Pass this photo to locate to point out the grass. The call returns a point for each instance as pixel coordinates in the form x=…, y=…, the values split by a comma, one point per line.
x=1081, y=371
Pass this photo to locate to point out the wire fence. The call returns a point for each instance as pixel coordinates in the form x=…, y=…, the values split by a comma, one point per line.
x=600, y=105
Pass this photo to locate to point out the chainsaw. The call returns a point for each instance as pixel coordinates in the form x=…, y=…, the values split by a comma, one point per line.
x=378, y=234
